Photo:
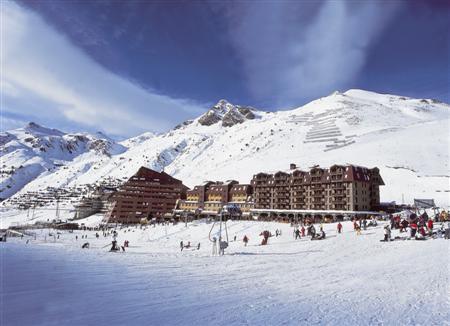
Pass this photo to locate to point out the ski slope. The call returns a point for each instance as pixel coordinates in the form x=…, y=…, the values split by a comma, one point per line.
x=343, y=280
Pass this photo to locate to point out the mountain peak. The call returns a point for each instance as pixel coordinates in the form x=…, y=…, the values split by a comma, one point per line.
x=228, y=113
x=34, y=128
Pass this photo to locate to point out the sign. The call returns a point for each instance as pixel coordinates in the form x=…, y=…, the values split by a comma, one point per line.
x=424, y=203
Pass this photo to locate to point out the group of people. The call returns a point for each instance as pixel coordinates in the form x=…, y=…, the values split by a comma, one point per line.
x=363, y=224
x=420, y=227
x=310, y=230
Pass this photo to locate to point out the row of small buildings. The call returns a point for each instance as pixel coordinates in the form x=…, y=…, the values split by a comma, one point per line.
x=156, y=195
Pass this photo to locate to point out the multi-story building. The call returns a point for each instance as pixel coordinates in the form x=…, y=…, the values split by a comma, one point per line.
x=147, y=194
x=341, y=187
x=210, y=197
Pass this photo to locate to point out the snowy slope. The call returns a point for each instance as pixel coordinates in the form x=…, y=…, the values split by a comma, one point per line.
x=408, y=139
x=345, y=279
x=36, y=152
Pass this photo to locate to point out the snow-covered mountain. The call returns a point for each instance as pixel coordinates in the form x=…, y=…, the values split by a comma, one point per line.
x=34, y=152
x=408, y=139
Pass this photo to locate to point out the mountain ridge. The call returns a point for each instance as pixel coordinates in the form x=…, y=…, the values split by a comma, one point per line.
x=351, y=127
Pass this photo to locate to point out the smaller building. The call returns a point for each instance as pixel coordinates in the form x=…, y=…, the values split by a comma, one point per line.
x=210, y=197
x=147, y=194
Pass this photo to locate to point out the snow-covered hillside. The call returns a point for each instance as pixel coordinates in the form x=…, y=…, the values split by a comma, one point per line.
x=408, y=139
x=36, y=152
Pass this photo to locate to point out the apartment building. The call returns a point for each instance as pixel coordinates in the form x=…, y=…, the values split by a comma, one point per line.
x=340, y=187
x=147, y=194
x=210, y=197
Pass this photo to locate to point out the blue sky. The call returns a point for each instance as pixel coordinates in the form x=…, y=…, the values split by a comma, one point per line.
x=134, y=66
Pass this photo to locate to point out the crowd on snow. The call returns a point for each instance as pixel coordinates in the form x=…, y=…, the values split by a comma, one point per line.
x=419, y=227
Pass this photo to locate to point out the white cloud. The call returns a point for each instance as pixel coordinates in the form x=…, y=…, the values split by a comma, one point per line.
x=292, y=51
x=44, y=75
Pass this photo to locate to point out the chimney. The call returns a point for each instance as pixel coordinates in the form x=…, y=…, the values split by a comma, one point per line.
x=292, y=166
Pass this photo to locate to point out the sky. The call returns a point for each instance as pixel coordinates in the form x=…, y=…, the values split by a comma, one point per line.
x=128, y=67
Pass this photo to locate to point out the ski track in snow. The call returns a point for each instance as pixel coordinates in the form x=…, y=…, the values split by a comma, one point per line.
x=343, y=280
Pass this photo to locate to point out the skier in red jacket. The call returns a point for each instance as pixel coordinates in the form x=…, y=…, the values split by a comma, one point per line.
x=339, y=227
x=303, y=231
x=430, y=226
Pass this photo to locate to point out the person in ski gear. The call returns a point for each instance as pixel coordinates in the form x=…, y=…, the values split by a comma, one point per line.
x=320, y=236
x=404, y=224
x=85, y=245
x=430, y=226
x=114, y=246
x=181, y=245
x=245, y=239
x=387, y=233
x=198, y=246
x=297, y=234
x=214, y=247
x=339, y=227
x=413, y=227
x=364, y=224
x=422, y=231
x=303, y=231
x=312, y=231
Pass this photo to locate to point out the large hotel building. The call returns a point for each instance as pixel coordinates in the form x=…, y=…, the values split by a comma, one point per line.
x=341, y=187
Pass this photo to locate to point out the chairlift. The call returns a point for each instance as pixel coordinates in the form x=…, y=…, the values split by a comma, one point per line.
x=222, y=244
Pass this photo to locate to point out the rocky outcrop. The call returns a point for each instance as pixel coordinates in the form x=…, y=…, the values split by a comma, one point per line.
x=228, y=113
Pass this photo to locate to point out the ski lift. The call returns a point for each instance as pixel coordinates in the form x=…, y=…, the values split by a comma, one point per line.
x=222, y=243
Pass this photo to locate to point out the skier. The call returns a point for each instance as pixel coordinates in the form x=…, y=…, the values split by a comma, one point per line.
x=339, y=227
x=297, y=234
x=214, y=247
x=387, y=233
x=198, y=246
x=245, y=239
x=365, y=224
x=312, y=231
x=303, y=231
x=319, y=236
x=235, y=238
x=181, y=245
x=430, y=226
x=413, y=227
x=114, y=246
x=85, y=245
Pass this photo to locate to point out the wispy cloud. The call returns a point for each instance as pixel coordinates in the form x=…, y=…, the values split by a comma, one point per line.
x=295, y=51
x=44, y=75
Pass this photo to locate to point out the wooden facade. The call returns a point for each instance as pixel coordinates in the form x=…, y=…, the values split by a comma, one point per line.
x=147, y=194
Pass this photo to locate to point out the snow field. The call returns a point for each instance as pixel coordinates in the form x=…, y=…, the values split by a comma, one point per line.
x=343, y=280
